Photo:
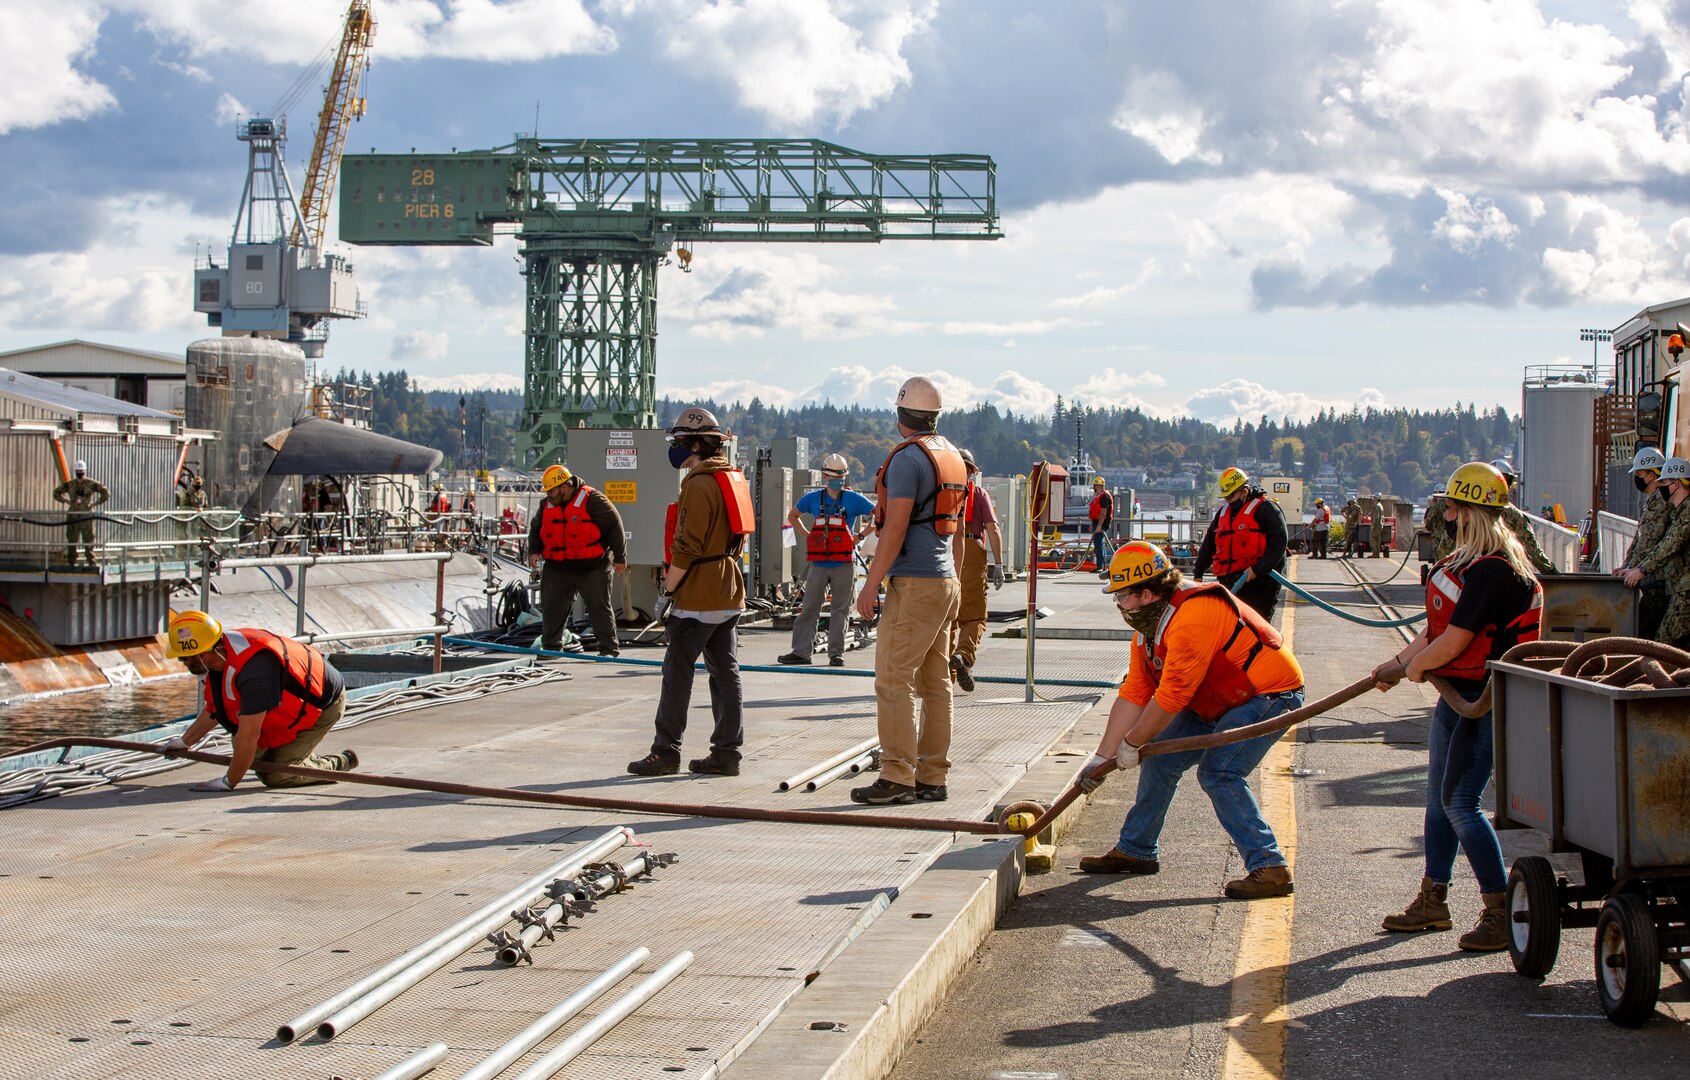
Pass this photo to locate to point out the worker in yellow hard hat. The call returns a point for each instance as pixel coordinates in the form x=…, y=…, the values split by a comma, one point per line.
x=1481, y=601
x=577, y=537
x=1202, y=663
x=1102, y=515
x=277, y=697
x=1245, y=544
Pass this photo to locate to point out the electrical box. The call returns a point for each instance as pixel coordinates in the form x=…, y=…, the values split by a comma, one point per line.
x=1288, y=493
x=1009, y=502
x=631, y=467
x=773, y=559
x=792, y=452
x=1047, y=492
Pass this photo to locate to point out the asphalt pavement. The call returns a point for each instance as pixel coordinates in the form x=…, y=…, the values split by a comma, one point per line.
x=1090, y=977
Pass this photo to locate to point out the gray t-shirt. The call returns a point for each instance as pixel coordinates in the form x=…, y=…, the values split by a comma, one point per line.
x=926, y=554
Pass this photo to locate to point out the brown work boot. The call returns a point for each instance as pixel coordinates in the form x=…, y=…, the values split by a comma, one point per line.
x=1261, y=883
x=1118, y=862
x=1490, y=933
x=1429, y=911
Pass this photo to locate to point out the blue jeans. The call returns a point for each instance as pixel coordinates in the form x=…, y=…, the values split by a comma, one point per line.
x=1100, y=549
x=1456, y=775
x=1224, y=773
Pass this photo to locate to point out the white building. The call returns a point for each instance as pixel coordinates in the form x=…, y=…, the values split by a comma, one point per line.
x=139, y=376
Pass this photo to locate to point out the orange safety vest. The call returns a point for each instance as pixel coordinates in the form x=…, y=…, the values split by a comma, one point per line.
x=742, y=522
x=1225, y=685
x=949, y=501
x=830, y=540
x=303, y=683
x=566, y=532
x=1443, y=592
x=1239, y=540
x=1096, y=508
x=440, y=505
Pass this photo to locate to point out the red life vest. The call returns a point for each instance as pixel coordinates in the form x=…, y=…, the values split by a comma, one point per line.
x=1096, y=508
x=1239, y=539
x=1225, y=685
x=949, y=501
x=303, y=683
x=1443, y=591
x=440, y=505
x=830, y=538
x=566, y=532
x=736, y=499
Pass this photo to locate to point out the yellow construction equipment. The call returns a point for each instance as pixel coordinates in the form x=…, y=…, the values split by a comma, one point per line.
x=341, y=105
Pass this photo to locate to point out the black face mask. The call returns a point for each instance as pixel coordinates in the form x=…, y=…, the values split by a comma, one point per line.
x=1639, y=483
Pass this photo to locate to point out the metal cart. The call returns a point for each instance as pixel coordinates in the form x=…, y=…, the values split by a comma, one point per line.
x=1605, y=773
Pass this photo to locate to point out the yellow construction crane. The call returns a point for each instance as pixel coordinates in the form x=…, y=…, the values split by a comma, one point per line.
x=341, y=105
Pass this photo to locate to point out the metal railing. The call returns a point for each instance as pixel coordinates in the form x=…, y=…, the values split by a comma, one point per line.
x=1558, y=542
x=1614, y=535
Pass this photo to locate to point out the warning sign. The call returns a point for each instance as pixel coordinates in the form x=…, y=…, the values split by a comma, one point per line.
x=621, y=457
x=622, y=438
x=620, y=491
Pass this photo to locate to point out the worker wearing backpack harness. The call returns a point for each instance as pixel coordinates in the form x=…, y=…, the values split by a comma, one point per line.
x=712, y=519
x=982, y=564
x=1202, y=663
x=1245, y=541
x=1481, y=601
x=830, y=546
x=920, y=492
x=578, y=535
x=276, y=698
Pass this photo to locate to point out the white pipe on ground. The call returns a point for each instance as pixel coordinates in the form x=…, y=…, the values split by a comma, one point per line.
x=820, y=767
x=844, y=768
x=419, y=1063
x=571, y=1048
x=565, y=1011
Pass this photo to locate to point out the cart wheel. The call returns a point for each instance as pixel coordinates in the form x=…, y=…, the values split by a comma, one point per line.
x=1628, y=960
x=1534, y=916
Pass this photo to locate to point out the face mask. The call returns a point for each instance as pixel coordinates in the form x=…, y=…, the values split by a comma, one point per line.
x=1145, y=619
x=1639, y=483
x=836, y=484
x=678, y=456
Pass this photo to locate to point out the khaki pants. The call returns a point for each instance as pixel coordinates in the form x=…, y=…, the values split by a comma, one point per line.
x=298, y=752
x=970, y=625
x=912, y=661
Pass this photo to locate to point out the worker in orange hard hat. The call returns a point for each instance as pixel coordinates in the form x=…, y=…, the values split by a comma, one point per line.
x=577, y=535
x=276, y=698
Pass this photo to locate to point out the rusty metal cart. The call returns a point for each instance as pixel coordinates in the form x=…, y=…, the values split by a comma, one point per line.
x=1604, y=772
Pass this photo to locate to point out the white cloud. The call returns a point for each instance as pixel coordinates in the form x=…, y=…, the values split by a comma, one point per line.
x=1158, y=110
x=795, y=61
x=468, y=382
x=230, y=109
x=423, y=345
x=1105, y=295
x=1469, y=222
x=42, y=42
x=1110, y=386
x=1242, y=398
x=1006, y=329
x=740, y=293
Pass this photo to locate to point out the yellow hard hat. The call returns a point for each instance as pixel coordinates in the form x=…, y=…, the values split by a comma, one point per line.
x=1477, y=484
x=1097, y=481
x=1135, y=565
x=554, y=476
x=1233, y=479
x=191, y=633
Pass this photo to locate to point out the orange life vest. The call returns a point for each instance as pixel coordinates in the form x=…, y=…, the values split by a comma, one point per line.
x=1225, y=685
x=742, y=522
x=1239, y=539
x=949, y=501
x=1096, y=508
x=440, y=505
x=303, y=684
x=567, y=532
x=830, y=538
x=1443, y=591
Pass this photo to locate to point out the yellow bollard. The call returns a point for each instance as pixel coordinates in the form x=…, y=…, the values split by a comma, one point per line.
x=1017, y=822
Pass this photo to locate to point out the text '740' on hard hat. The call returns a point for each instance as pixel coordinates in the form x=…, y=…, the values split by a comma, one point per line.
x=1135, y=565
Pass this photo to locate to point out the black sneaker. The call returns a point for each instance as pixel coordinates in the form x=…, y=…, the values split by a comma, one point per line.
x=653, y=765
x=931, y=792
x=714, y=765
x=883, y=793
x=792, y=658
x=351, y=759
x=836, y=661
x=961, y=671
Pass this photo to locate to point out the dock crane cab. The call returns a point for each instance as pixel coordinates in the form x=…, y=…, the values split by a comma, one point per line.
x=1662, y=419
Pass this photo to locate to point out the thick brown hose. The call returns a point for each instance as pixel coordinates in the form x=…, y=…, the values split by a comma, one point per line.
x=1582, y=656
x=1265, y=727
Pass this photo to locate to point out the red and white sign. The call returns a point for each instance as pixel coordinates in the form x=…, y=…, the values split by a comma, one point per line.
x=621, y=457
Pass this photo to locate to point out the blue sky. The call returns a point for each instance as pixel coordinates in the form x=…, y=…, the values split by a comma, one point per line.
x=1210, y=208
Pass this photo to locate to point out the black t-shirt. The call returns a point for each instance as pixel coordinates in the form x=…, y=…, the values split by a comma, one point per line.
x=1492, y=594
x=260, y=683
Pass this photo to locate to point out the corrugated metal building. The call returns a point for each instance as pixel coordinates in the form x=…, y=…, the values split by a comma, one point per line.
x=138, y=376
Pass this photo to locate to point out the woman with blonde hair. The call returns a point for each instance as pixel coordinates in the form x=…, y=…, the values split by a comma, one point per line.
x=1481, y=601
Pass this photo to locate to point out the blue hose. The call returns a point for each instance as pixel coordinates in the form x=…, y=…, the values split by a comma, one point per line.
x=858, y=673
x=1342, y=614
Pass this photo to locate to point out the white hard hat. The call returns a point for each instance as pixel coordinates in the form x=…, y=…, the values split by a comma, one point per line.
x=81, y=466
x=1675, y=468
x=836, y=463
x=1647, y=458
x=918, y=394
x=1506, y=468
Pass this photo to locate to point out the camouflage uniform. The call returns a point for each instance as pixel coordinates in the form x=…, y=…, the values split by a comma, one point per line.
x=1521, y=527
x=1651, y=526
x=1376, y=537
x=191, y=499
x=1352, y=526
x=1669, y=563
x=80, y=493
x=1443, y=537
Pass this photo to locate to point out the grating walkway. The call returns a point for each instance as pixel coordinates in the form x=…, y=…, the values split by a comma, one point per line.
x=154, y=932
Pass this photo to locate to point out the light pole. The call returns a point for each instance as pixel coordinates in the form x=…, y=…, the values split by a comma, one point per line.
x=1595, y=337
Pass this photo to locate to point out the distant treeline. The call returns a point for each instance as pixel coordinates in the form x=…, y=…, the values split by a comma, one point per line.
x=1405, y=452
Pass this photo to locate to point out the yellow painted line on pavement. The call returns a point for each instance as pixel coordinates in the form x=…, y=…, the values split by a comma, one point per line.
x=1255, y=1045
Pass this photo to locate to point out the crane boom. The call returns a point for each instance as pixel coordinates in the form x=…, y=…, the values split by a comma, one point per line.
x=341, y=105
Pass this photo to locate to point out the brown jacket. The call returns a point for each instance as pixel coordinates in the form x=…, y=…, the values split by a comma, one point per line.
x=701, y=531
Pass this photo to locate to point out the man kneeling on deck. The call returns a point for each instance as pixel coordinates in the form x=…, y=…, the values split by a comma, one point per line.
x=1202, y=663
x=275, y=696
